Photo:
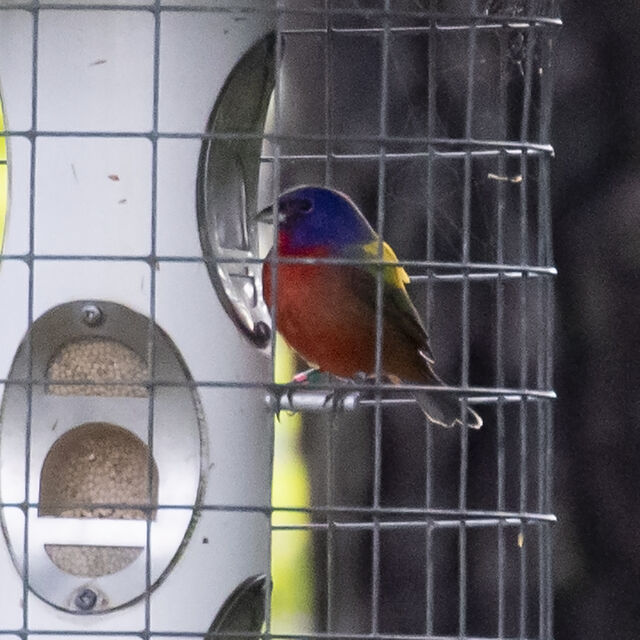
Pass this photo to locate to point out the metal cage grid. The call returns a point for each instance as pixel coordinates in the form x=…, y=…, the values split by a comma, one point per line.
x=519, y=272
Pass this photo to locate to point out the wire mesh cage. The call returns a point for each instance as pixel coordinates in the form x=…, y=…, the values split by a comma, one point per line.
x=140, y=373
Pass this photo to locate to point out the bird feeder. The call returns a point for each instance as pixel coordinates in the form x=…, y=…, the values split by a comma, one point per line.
x=133, y=450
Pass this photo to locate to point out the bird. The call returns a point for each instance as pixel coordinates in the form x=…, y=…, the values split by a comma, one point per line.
x=327, y=311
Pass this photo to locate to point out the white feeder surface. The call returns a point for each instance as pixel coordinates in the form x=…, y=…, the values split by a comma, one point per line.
x=93, y=196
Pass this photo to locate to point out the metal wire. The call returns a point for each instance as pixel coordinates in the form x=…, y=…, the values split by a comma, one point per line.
x=30, y=318
x=518, y=405
x=152, y=347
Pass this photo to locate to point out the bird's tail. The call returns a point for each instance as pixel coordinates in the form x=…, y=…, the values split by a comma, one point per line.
x=446, y=410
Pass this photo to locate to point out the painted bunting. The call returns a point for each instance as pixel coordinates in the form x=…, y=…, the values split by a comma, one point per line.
x=327, y=312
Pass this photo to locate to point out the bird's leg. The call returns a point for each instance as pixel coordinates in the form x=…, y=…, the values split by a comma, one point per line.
x=335, y=397
x=304, y=377
x=310, y=375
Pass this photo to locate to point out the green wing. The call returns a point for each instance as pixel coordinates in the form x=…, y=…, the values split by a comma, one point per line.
x=398, y=310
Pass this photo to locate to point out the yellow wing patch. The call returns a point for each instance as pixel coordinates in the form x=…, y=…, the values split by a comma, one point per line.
x=395, y=276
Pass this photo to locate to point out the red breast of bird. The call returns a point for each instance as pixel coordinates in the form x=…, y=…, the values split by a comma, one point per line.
x=322, y=317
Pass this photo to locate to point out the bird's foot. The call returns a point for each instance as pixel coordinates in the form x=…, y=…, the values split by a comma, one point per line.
x=296, y=395
x=304, y=377
x=333, y=393
x=341, y=397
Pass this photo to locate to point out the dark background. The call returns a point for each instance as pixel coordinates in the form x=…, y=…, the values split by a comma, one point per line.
x=596, y=215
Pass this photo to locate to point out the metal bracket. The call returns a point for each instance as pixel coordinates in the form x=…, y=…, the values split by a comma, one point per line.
x=243, y=610
x=227, y=189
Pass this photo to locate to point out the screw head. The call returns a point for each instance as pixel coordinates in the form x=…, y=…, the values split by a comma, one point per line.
x=262, y=332
x=92, y=315
x=86, y=599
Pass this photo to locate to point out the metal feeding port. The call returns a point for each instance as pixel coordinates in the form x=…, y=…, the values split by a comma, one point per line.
x=227, y=189
x=94, y=482
x=97, y=464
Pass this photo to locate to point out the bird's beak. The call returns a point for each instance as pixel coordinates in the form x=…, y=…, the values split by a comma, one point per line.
x=266, y=215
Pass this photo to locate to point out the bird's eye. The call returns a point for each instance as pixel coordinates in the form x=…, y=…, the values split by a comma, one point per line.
x=305, y=205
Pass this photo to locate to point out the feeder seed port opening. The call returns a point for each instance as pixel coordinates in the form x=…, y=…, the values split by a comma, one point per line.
x=90, y=481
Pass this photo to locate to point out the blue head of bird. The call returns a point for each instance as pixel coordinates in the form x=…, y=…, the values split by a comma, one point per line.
x=310, y=217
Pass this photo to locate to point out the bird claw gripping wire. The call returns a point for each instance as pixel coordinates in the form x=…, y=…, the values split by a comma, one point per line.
x=297, y=396
x=340, y=398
